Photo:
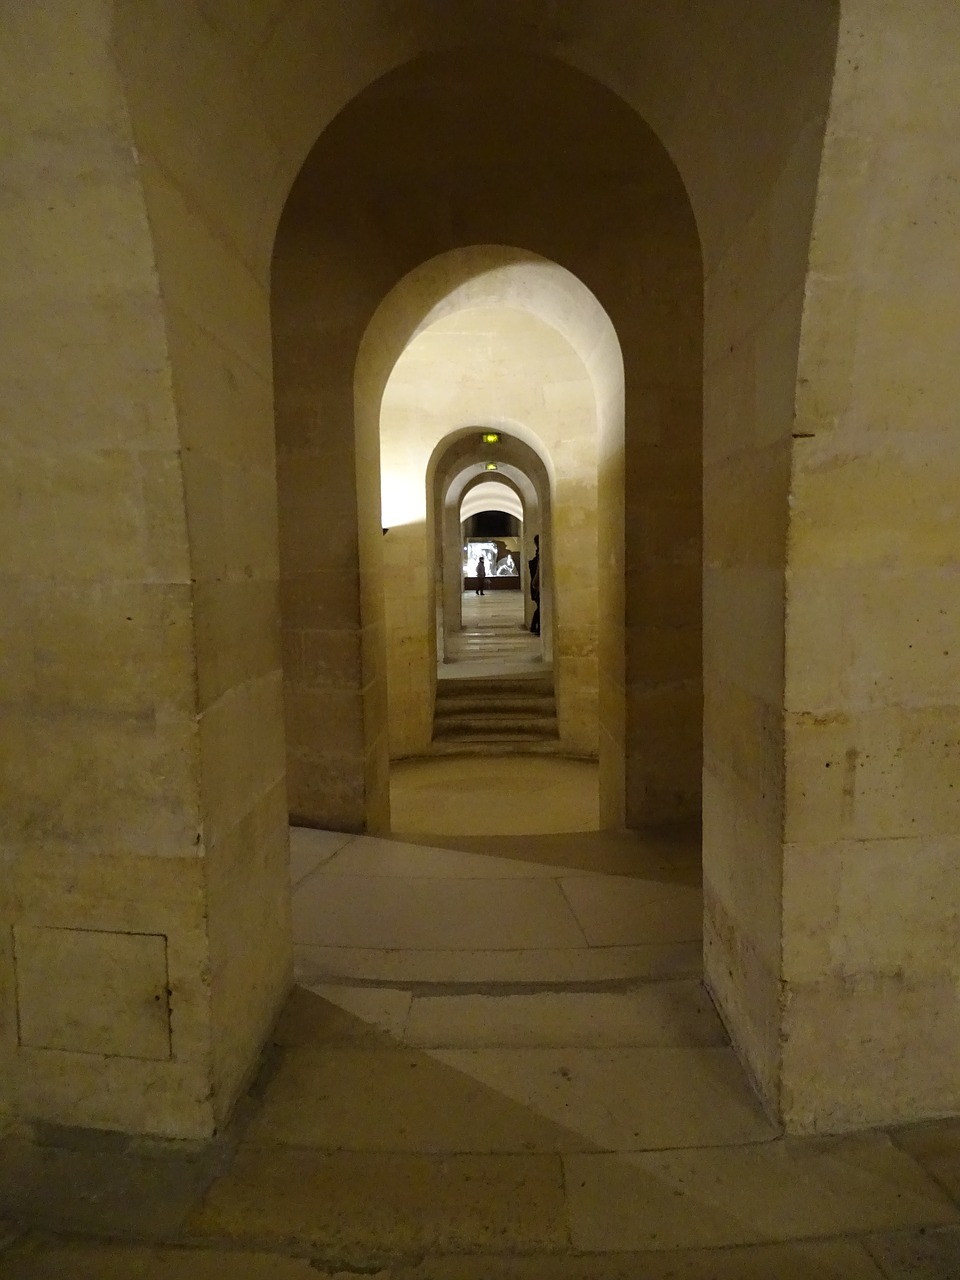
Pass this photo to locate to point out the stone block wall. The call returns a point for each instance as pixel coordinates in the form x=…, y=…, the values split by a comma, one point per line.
x=871, y=1020
x=141, y=530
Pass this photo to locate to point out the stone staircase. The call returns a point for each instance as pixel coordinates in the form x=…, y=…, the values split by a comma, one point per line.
x=496, y=713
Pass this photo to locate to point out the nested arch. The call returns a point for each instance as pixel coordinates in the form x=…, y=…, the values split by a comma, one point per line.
x=456, y=467
x=707, y=131
x=617, y=219
x=463, y=497
x=492, y=496
x=582, y=413
x=224, y=104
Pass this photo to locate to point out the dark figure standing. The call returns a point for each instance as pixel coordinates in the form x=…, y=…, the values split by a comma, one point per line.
x=534, y=566
x=481, y=573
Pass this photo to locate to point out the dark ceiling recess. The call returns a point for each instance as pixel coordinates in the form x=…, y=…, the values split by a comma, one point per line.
x=491, y=524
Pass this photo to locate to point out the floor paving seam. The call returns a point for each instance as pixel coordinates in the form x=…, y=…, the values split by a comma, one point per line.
x=950, y=1190
x=590, y=1148
x=572, y=909
x=614, y=948
x=421, y=990
x=386, y=1262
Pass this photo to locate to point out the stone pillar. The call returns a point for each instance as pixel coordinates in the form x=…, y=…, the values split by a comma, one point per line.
x=871, y=880
x=146, y=937
x=332, y=648
x=663, y=521
x=753, y=306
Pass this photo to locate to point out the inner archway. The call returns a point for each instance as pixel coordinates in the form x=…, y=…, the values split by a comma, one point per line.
x=650, y=732
x=628, y=302
x=497, y=678
x=490, y=509
x=468, y=508
x=466, y=367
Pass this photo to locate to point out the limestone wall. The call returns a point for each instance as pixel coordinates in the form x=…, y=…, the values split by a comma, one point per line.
x=216, y=300
x=871, y=887
x=111, y=1020
x=755, y=241
x=325, y=651
x=226, y=102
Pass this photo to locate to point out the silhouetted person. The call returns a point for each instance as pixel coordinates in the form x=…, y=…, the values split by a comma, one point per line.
x=534, y=566
x=481, y=573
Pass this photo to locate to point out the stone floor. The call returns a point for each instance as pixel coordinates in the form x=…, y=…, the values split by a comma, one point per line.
x=494, y=638
x=467, y=794
x=499, y=1061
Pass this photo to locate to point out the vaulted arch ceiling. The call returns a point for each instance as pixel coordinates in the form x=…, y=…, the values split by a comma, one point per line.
x=491, y=495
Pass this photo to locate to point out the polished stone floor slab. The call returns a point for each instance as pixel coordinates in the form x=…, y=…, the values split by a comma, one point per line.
x=101, y=1186
x=657, y=1014
x=670, y=855
x=749, y=1194
x=43, y=1258
x=376, y=908
x=521, y=966
x=325, y=1016
x=310, y=849
x=382, y=1008
x=369, y=1203
x=447, y=1103
x=921, y=1254
x=639, y=910
x=935, y=1146
x=809, y=1260
x=541, y=795
x=435, y=914
x=626, y=1099
x=372, y=856
x=400, y=1100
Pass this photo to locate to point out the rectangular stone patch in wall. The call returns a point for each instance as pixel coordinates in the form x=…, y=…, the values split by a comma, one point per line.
x=92, y=991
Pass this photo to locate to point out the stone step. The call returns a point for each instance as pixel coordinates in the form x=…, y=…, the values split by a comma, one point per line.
x=509, y=712
x=496, y=687
x=494, y=704
x=464, y=727
x=497, y=746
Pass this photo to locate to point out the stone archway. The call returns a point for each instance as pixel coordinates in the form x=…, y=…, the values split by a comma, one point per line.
x=656, y=310
x=512, y=494
x=740, y=100
x=455, y=468
x=467, y=384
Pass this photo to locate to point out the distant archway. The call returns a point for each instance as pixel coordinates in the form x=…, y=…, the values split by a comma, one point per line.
x=476, y=285
x=457, y=468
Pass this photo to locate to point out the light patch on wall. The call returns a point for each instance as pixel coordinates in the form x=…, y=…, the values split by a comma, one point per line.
x=402, y=500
